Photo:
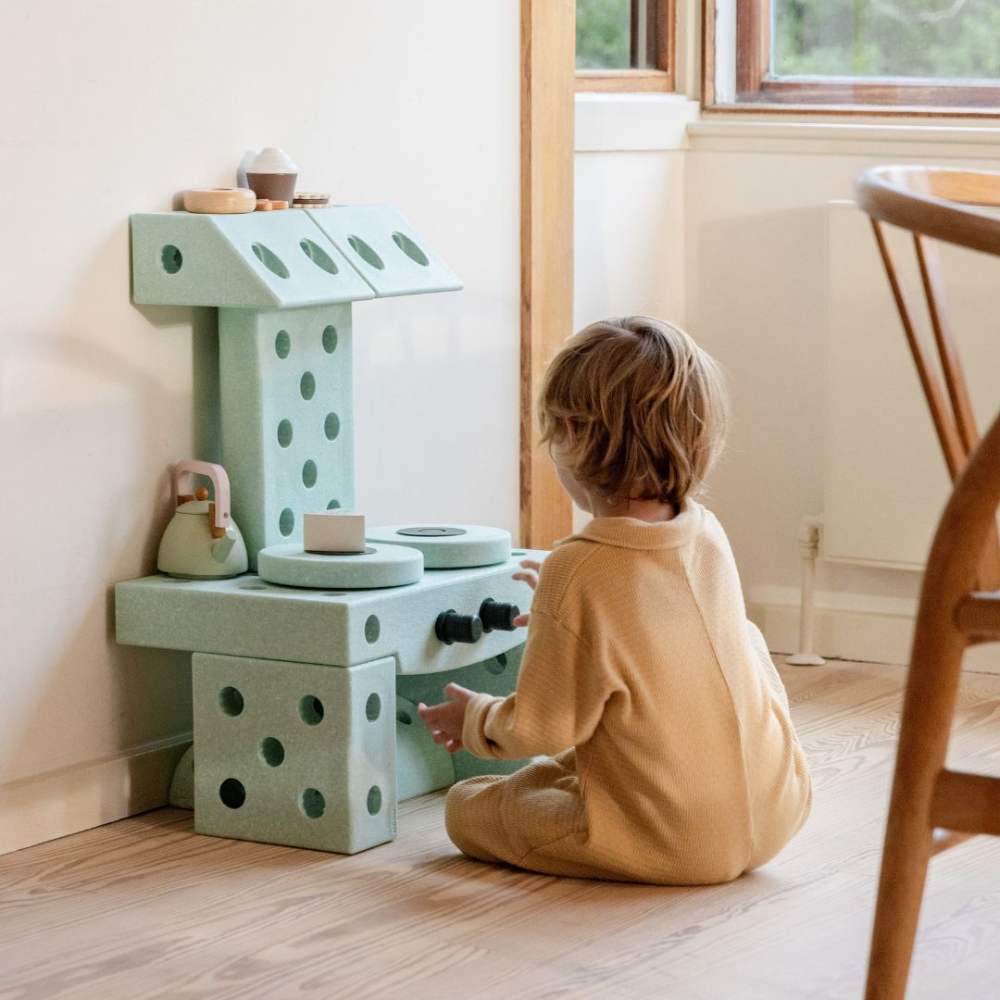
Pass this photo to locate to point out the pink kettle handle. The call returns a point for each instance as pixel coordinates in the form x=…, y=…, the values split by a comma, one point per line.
x=182, y=474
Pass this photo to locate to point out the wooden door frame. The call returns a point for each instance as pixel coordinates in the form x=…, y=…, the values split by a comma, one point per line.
x=548, y=55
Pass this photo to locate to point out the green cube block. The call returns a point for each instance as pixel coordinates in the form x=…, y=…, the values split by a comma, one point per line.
x=296, y=754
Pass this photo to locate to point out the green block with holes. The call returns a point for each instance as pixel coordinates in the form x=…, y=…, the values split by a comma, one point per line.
x=287, y=417
x=257, y=260
x=296, y=754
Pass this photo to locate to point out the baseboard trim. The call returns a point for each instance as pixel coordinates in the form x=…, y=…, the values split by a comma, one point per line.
x=876, y=635
x=57, y=803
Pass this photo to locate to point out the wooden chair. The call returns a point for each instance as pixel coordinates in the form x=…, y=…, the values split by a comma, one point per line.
x=959, y=601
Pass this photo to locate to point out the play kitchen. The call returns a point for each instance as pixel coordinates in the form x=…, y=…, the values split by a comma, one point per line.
x=306, y=673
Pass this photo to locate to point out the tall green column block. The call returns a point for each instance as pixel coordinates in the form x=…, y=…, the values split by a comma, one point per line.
x=296, y=754
x=287, y=417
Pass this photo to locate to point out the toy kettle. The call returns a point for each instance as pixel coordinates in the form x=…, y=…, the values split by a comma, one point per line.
x=201, y=540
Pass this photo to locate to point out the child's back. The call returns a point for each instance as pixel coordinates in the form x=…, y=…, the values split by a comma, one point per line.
x=673, y=757
x=686, y=769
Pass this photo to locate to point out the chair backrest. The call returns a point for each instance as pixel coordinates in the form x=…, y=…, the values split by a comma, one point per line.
x=942, y=204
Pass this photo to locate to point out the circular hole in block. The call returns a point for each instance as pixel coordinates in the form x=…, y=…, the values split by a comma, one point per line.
x=404, y=717
x=374, y=800
x=410, y=249
x=373, y=707
x=311, y=710
x=318, y=256
x=329, y=339
x=365, y=252
x=333, y=505
x=331, y=426
x=282, y=344
x=270, y=259
x=312, y=803
x=286, y=521
x=171, y=258
x=373, y=628
x=271, y=751
x=498, y=664
x=232, y=793
x=307, y=385
x=285, y=433
x=231, y=700
x=309, y=474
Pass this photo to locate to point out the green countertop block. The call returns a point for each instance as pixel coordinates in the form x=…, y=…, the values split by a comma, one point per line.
x=245, y=616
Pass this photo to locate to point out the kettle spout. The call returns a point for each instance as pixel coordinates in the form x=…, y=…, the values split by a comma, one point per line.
x=222, y=548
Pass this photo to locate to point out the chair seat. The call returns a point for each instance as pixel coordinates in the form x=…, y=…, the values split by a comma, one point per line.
x=978, y=616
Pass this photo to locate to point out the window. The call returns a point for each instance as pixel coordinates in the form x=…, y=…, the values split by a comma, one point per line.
x=851, y=54
x=625, y=45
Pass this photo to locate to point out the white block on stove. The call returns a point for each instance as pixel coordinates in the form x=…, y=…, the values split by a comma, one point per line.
x=333, y=531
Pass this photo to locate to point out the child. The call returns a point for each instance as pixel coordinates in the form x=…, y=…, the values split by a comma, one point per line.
x=673, y=759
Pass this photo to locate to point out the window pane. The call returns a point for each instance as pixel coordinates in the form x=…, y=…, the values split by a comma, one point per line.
x=936, y=39
x=603, y=34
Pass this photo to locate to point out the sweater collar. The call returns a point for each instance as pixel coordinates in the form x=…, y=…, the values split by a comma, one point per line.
x=631, y=533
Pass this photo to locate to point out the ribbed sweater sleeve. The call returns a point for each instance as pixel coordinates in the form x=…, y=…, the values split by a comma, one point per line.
x=560, y=698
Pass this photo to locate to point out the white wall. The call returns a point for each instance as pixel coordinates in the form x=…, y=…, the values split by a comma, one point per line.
x=111, y=108
x=735, y=253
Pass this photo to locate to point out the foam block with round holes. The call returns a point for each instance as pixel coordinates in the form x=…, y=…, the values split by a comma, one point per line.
x=257, y=260
x=448, y=546
x=422, y=765
x=287, y=417
x=378, y=566
x=385, y=249
x=246, y=616
x=496, y=675
x=297, y=754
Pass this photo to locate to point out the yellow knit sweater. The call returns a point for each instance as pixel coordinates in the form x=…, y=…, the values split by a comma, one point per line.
x=675, y=761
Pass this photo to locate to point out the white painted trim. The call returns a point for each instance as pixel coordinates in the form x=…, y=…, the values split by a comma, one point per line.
x=622, y=122
x=711, y=134
x=851, y=627
x=70, y=799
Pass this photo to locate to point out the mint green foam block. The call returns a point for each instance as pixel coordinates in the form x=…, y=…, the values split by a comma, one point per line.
x=246, y=616
x=257, y=260
x=287, y=417
x=288, y=753
x=496, y=675
x=385, y=249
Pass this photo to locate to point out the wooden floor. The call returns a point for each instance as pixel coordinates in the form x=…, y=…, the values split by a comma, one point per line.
x=145, y=908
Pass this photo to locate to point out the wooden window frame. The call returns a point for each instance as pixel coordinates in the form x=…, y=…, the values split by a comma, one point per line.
x=661, y=30
x=758, y=92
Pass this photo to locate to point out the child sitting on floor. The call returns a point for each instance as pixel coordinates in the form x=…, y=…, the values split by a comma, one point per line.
x=673, y=759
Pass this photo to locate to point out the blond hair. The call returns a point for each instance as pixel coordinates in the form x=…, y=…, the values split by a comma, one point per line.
x=637, y=409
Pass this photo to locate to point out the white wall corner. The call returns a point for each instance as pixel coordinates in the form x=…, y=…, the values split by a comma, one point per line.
x=57, y=803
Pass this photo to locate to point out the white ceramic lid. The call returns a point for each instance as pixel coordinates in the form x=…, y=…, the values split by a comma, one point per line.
x=271, y=160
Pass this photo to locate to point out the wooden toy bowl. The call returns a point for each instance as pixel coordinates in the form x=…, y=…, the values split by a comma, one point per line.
x=220, y=201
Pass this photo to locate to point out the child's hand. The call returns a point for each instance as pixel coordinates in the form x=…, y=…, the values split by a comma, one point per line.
x=445, y=721
x=531, y=568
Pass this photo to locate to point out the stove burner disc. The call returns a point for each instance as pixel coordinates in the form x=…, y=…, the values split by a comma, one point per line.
x=432, y=532
x=448, y=546
x=379, y=566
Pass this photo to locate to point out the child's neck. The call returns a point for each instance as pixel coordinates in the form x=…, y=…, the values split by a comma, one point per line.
x=642, y=510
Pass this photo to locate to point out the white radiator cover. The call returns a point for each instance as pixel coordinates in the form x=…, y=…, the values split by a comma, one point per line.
x=884, y=476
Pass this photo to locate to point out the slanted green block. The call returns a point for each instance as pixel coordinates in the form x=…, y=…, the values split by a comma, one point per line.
x=258, y=260
x=385, y=249
x=297, y=754
x=287, y=417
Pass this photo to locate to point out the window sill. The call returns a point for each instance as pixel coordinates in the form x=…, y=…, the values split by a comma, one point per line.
x=718, y=134
x=622, y=122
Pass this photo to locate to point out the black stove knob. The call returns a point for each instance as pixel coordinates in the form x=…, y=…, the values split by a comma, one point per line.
x=495, y=615
x=452, y=627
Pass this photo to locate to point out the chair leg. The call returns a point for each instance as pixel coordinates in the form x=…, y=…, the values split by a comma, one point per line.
x=923, y=742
